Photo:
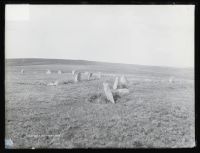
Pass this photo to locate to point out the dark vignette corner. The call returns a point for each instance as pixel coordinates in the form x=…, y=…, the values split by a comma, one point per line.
x=197, y=74
x=2, y=72
x=2, y=56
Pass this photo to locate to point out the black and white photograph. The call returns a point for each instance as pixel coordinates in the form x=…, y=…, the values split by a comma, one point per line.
x=99, y=76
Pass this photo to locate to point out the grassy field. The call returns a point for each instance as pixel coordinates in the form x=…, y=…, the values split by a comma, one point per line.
x=154, y=114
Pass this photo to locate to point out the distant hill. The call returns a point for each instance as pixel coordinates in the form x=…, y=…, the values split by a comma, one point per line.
x=41, y=61
x=44, y=61
x=101, y=66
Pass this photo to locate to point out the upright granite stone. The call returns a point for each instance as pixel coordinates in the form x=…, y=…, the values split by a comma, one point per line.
x=77, y=77
x=73, y=72
x=108, y=92
x=22, y=71
x=123, y=82
x=89, y=76
x=116, y=83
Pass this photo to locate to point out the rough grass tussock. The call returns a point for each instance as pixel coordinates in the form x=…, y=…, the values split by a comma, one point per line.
x=100, y=98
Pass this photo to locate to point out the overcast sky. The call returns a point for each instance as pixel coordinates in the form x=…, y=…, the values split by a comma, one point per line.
x=161, y=35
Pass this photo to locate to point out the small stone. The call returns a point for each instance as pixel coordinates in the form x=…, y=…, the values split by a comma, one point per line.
x=48, y=72
x=123, y=91
x=59, y=72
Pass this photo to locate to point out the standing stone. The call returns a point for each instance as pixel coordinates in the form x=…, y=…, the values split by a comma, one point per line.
x=73, y=72
x=77, y=77
x=123, y=82
x=89, y=76
x=22, y=71
x=59, y=72
x=48, y=72
x=56, y=82
x=116, y=83
x=171, y=79
x=108, y=92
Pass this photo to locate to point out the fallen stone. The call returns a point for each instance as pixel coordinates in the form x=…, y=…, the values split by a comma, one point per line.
x=123, y=91
x=53, y=83
x=147, y=80
x=86, y=73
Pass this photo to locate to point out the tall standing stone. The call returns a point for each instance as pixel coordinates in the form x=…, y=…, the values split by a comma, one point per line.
x=116, y=83
x=89, y=76
x=22, y=71
x=108, y=92
x=73, y=72
x=77, y=77
x=123, y=82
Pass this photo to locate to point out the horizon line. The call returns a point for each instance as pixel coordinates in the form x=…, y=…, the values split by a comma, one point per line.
x=102, y=62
